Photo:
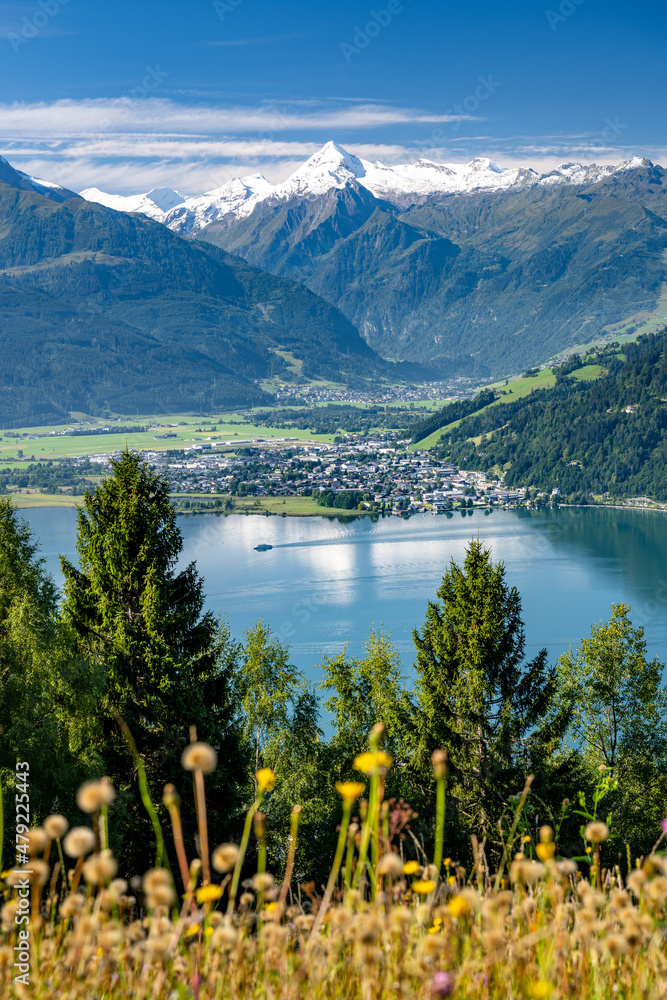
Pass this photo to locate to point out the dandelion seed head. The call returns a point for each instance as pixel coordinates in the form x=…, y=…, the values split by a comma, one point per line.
x=56, y=826
x=79, y=842
x=225, y=857
x=596, y=832
x=94, y=794
x=36, y=840
x=100, y=868
x=390, y=864
x=199, y=757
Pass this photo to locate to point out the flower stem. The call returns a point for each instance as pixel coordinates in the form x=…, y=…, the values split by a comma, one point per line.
x=333, y=875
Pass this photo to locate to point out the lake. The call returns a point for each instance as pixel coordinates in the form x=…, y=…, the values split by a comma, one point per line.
x=324, y=583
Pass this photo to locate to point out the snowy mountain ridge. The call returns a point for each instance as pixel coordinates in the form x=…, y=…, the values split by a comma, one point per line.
x=333, y=167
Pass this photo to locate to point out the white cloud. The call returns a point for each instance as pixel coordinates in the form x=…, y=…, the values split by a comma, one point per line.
x=129, y=145
x=67, y=117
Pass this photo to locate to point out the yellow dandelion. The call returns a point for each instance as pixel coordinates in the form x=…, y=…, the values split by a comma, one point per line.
x=541, y=989
x=447, y=862
x=209, y=893
x=208, y=931
x=410, y=867
x=191, y=931
x=458, y=907
x=525, y=840
x=350, y=790
x=452, y=879
x=266, y=779
x=423, y=887
x=545, y=851
x=370, y=762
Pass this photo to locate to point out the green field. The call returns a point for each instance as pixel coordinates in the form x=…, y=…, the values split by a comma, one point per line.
x=509, y=393
x=587, y=374
x=294, y=506
x=48, y=446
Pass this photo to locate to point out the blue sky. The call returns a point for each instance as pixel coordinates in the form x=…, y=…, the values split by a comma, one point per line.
x=126, y=96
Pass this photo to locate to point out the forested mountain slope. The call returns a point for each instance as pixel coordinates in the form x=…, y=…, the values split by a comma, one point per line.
x=101, y=310
x=485, y=282
x=604, y=436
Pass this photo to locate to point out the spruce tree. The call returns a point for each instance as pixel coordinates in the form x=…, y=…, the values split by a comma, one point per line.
x=167, y=665
x=47, y=695
x=495, y=715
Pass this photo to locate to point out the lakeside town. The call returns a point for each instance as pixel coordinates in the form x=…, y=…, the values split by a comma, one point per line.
x=377, y=473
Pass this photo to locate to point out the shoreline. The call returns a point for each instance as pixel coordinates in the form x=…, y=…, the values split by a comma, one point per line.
x=73, y=503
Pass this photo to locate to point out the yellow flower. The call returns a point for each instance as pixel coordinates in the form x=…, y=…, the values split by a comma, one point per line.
x=191, y=931
x=208, y=893
x=369, y=762
x=545, y=851
x=525, y=840
x=458, y=907
x=208, y=931
x=423, y=888
x=410, y=867
x=350, y=790
x=452, y=879
x=266, y=779
x=447, y=862
x=542, y=989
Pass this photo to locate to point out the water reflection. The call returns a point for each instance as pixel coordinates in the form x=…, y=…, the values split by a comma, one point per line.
x=326, y=581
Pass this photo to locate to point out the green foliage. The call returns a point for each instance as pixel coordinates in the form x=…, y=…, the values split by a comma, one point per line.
x=104, y=310
x=335, y=416
x=449, y=413
x=343, y=500
x=618, y=720
x=364, y=692
x=280, y=720
x=494, y=715
x=167, y=666
x=578, y=435
x=47, y=696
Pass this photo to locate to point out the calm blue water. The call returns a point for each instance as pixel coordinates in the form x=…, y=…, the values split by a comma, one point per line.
x=324, y=583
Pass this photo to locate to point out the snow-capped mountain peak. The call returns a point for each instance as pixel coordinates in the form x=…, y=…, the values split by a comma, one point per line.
x=236, y=197
x=334, y=168
x=155, y=204
x=331, y=167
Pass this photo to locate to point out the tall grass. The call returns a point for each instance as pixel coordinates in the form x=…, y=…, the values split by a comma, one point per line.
x=381, y=928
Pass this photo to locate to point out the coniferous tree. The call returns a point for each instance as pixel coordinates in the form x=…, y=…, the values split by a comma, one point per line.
x=495, y=715
x=167, y=665
x=47, y=695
